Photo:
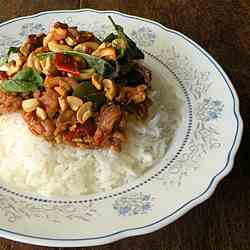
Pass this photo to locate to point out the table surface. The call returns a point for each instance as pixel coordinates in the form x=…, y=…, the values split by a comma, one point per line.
x=223, y=29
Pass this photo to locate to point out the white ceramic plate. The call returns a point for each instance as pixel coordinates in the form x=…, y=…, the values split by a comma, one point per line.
x=200, y=155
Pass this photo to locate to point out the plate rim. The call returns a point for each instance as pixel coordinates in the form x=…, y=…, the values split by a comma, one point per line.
x=178, y=212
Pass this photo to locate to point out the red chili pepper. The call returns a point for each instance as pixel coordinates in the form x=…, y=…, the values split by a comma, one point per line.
x=66, y=63
x=3, y=75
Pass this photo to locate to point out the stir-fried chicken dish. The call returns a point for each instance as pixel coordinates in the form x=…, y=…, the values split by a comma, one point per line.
x=74, y=89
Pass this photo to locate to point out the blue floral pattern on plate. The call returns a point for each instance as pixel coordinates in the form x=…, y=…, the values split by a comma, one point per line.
x=205, y=136
x=31, y=28
x=209, y=110
x=144, y=36
x=133, y=204
x=15, y=209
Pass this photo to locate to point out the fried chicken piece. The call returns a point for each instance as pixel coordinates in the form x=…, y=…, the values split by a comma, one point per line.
x=108, y=118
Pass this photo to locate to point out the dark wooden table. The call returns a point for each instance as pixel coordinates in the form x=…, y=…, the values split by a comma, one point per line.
x=222, y=27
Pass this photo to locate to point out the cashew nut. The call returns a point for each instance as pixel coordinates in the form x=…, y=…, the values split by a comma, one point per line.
x=64, y=84
x=12, y=68
x=96, y=80
x=109, y=88
x=30, y=105
x=108, y=53
x=59, y=33
x=4, y=67
x=61, y=91
x=56, y=47
x=86, y=47
x=62, y=103
x=16, y=65
x=118, y=43
x=84, y=112
x=101, y=46
x=34, y=62
x=70, y=41
x=51, y=82
x=48, y=65
x=55, y=34
x=41, y=114
x=47, y=39
x=74, y=102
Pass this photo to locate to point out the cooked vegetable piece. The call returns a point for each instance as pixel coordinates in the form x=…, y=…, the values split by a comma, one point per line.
x=24, y=81
x=88, y=92
x=66, y=63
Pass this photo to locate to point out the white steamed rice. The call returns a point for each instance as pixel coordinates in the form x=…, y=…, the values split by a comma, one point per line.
x=29, y=163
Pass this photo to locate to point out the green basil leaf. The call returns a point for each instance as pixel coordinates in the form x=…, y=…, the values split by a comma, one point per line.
x=12, y=50
x=25, y=80
x=101, y=66
x=109, y=38
x=121, y=52
x=134, y=52
x=18, y=86
x=88, y=92
x=119, y=31
x=3, y=60
x=31, y=75
x=44, y=55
